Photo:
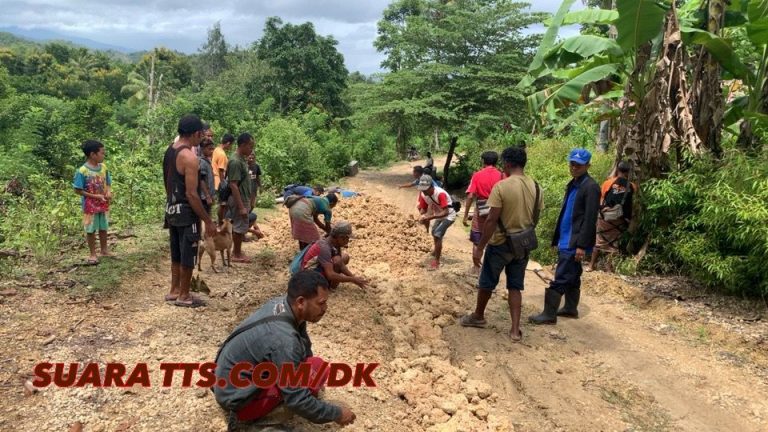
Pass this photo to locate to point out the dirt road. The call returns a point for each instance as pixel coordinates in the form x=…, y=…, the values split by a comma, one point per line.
x=631, y=363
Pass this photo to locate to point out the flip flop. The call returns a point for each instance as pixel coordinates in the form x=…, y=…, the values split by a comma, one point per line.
x=242, y=260
x=469, y=320
x=433, y=265
x=191, y=303
x=170, y=298
x=516, y=339
x=92, y=262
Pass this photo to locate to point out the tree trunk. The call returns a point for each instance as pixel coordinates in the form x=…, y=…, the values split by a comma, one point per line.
x=706, y=88
x=399, y=143
x=437, y=138
x=603, y=136
x=447, y=166
x=151, y=89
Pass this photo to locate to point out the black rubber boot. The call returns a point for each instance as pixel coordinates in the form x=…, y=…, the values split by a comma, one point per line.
x=549, y=314
x=570, y=308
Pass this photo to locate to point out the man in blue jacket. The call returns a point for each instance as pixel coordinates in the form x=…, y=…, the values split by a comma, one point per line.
x=574, y=238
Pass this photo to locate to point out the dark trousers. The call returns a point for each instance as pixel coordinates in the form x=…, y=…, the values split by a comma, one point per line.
x=567, y=274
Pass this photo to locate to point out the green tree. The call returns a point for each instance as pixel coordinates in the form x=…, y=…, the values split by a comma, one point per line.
x=213, y=54
x=455, y=65
x=307, y=69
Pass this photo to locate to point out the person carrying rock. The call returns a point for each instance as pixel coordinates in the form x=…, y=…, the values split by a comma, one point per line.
x=574, y=238
x=325, y=256
x=305, y=217
x=514, y=205
x=277, y=333
x=435, y=204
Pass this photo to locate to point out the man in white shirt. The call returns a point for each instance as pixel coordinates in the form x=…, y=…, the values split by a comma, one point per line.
x=435, y=204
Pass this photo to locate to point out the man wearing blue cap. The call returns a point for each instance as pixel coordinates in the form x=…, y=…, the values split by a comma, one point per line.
x=574, y=238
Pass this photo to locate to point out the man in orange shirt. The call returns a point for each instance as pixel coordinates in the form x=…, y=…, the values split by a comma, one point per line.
x=220, y=160
x=615, y=214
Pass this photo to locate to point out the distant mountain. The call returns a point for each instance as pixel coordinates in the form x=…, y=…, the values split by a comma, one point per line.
x=42, y=35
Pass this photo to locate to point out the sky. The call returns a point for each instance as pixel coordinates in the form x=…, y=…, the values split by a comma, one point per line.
x=183, y=24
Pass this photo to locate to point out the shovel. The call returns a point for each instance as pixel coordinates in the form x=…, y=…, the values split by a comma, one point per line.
x=539, y=271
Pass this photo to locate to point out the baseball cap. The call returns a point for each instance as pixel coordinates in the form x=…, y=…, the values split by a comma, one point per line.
x=425, y=182
x=341, y=228
x=580, y=156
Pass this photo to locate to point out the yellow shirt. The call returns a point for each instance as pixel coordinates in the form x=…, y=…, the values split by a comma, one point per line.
x=218, y=161
x=515, y=196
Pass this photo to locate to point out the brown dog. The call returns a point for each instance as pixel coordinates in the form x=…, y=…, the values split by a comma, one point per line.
x=221, y=242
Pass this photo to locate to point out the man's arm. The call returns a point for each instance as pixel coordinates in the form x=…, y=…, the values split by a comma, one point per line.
x=332, y=276
x=234, y=186
x=299, y=399
x=490, y=227
x=467, y=205
x=90, y=195
x=321, y=225
x=191, y=168
x=206, y=192
x=588, y=229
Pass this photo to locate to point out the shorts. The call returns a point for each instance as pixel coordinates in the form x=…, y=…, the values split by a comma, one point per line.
x=439, y=227
x=95, y=222
x=240, y=224
x=184, y=243
x=496, y=259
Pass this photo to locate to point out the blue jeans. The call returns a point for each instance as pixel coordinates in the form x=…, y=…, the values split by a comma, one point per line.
x=496, y=259
x=567, y=273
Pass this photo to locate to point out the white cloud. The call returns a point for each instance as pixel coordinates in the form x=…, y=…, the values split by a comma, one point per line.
x=183, y=24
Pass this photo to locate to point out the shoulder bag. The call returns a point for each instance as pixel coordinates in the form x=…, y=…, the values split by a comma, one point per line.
x=521, y=243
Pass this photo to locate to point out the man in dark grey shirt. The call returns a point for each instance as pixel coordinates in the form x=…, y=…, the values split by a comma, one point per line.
x=277, y=333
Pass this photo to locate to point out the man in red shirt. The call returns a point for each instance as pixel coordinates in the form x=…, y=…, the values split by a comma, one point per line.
x=479, y=190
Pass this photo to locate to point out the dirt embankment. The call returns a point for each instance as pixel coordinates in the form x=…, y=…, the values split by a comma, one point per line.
x=632, y=362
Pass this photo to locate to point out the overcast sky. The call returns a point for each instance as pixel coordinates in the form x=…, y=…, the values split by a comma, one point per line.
x=183, y=24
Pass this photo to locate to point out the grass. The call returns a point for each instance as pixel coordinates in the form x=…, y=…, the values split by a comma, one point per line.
x=132, y=256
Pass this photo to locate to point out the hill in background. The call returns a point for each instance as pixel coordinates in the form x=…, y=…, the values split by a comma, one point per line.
x=14, y=36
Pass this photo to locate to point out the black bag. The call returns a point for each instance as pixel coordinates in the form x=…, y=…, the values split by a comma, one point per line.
x=455, y=203
x=521, y=243
x=616, y=212
x=291, y=200
x=224, y=190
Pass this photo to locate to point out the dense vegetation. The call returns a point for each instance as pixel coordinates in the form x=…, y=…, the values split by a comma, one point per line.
x=678, y=90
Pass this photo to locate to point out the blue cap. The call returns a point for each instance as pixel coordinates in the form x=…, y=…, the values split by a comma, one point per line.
x=580, y=156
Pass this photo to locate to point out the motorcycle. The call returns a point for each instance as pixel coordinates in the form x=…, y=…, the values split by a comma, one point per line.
x=413, y=155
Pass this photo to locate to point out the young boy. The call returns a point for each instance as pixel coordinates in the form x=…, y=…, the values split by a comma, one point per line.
x=93, y=182
x=206, y=174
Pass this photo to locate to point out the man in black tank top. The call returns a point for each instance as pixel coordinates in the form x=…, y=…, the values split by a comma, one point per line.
x=184, y=209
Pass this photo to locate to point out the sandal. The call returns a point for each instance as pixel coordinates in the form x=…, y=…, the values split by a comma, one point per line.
x=242, y=260
x=433, y=265
x=192, y=302
x=92, y=261
x=469, y=320
x=170, y=297
x=516, y=339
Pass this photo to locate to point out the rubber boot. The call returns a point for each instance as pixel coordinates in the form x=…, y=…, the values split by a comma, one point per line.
x=570, y=308
x=549, y=314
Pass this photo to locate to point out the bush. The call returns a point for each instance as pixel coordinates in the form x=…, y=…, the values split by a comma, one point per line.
x=711, y=222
